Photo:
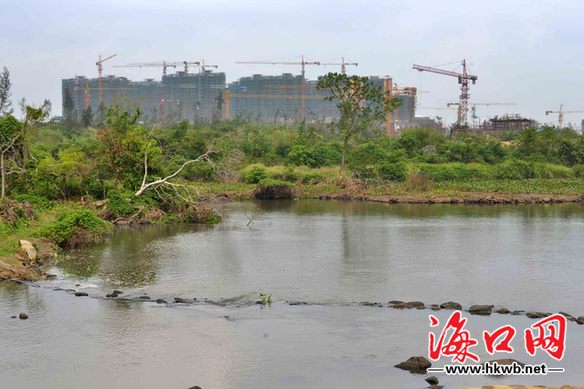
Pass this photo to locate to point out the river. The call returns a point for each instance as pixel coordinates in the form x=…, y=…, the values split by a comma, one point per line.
x=328, y=255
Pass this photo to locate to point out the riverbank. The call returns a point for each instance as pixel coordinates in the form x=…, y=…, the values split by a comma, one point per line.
x=472, y=192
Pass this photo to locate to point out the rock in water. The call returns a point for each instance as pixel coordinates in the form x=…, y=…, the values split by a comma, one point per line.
x=451, y=305
x=160, y=301
x=22, y=316
x=29, y=250
x=415, y=365
x=81, y=294
x=432, y=380
x=481, y=309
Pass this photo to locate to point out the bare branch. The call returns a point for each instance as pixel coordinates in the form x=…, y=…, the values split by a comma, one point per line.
x=144, y=187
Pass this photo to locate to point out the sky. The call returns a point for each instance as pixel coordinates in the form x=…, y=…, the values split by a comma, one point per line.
x=526, y=52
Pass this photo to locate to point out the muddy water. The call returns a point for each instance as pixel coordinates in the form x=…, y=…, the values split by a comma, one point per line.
x=323, y=253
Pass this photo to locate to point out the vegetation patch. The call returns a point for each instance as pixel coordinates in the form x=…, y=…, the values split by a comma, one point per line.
x=270, y=189
x=77, y=229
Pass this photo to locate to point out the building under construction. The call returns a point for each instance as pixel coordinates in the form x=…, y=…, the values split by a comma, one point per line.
x=204, y=96
x=180, y=96
x=285, y=99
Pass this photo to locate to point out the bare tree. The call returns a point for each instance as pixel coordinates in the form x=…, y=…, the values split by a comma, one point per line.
x=166, y=180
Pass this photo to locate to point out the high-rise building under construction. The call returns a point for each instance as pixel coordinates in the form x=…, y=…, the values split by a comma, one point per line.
x=204, y=96
x=179, y=96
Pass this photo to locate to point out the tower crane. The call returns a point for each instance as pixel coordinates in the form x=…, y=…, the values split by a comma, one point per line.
x=463, y=79
x=342, y=63
x=165, y=65
x=99, y=64
x=302, y=63
x=561, y=114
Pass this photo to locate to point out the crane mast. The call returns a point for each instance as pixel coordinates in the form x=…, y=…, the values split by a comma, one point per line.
x=463, y=80
x=99, y=64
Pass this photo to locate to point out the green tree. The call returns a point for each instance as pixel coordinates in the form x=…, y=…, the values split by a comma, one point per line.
x=10, y=132
x=5, y=85
x=361, y=104
x=87, y=117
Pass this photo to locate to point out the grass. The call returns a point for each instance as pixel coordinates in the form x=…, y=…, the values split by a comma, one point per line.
x=10, y=237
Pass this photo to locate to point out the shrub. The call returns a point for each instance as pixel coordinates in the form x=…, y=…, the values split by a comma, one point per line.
x=301, y=155
x=514, y=169
x=270, y=189
x=200, y=171
x=579, y=170
x=255, y=175
x=77, y=229
x=39, y=203
x=121, y=203
x=391, y=171
x=548, y=170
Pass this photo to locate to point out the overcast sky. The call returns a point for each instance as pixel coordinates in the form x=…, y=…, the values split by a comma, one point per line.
x=526, y=52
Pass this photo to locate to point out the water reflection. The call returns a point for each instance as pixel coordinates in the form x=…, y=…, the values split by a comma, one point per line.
x=334, y=251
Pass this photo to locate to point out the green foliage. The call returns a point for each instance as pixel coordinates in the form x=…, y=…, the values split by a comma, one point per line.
x=39, y=203
x=454, y=171
x=274, y=182
x=514, y=170
x=71, y=223
x=10, y=128
x=121, y=202
x=391, y=171
x=255, y=175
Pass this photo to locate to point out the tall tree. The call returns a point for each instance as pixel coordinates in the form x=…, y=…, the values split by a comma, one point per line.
x=361, y=104
x=87, y=117
x=5, y=85
x=10, y=133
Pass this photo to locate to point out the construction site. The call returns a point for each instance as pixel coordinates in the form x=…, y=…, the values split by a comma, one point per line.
x=197, y=92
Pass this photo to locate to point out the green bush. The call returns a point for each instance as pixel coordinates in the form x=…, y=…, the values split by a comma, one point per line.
x=579, y=170
x=391, y=171
x=121, y=202
x=38, y=203
x=255, y=175
x=77, y=228
x=514, y=169
x=301, y=155
x=548, y=170
x=200, y=171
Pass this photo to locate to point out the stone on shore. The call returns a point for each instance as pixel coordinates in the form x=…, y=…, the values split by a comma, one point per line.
x=29, y=250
